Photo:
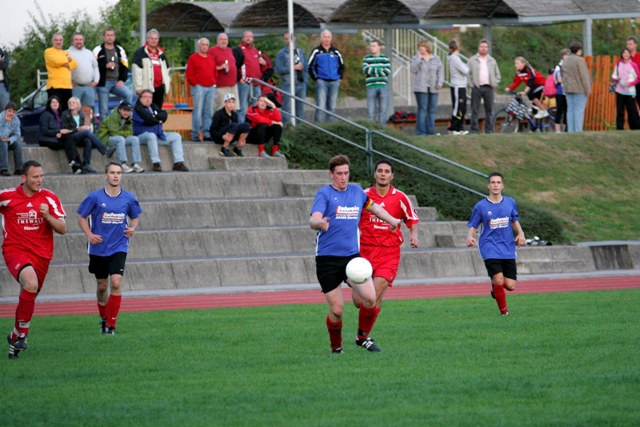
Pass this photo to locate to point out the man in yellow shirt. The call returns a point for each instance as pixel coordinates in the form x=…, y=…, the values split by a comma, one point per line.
x=59, y=65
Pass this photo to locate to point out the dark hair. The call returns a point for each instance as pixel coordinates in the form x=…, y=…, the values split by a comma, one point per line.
x=145, y=91
x=492, y=174
x=338, y=160
x=377, y=41
x=108, y=29
x=111, y=163
x=10, y=106
x=51, y=98
x=453, y=46
x=386, y=162
x=574, y=47
x=634, y=38
x=622, y=51
x=24, y=170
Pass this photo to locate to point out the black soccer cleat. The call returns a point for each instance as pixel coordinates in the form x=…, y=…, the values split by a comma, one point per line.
x=13, y=352
x=111, y=330
x=21, y=343
x=369, y=344
x=103, y=326
x=338, y=350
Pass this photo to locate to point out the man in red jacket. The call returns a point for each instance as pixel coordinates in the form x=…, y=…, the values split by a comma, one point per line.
x=253, y=67
x=202, y=75
x=266, y=123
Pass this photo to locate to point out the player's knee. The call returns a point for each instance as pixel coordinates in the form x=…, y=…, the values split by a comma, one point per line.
x=102, y=285
x=30, y=285
x=510, y=285
x=369, y=302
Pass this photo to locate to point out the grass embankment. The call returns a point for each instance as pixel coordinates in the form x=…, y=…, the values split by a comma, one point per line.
x=569, y=187
x=564, y=359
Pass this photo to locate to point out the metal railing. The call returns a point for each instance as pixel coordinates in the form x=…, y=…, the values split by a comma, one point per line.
x=368, y=143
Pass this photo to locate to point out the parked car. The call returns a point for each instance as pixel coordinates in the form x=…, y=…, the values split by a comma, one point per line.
x=34, y=104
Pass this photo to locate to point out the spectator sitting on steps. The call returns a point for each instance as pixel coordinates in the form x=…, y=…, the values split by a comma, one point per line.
x=147, y=126
x=225, y=128
x=80, y=134
x=266, y=123
x=10, y=139
x=116, y=131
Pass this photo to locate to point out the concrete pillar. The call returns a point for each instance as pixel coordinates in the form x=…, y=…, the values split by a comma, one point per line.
x=487, y=33
x=587, y=36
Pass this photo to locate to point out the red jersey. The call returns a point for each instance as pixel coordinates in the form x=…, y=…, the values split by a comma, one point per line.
x=221, y=55
x=376, y=232
x=529, y=77
x=23, y=227
x=268, y=116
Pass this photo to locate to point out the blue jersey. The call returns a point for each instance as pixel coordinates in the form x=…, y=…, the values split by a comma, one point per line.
x=343, y=208
x=108, y=219
x=496, y=240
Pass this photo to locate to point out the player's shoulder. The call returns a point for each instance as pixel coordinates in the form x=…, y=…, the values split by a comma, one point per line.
x=48, y=193
x=128, y=194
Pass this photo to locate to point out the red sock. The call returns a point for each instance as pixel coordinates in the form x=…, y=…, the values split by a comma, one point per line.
x=24, y=312
x=274, y=149
x=501, y=298
x=102, y=309
x=260, y=149
x=377, y=309
x=113, y=308
x=335, y=333
x=366, y=319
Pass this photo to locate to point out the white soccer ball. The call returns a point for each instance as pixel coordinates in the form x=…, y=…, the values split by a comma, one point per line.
x=359, y=270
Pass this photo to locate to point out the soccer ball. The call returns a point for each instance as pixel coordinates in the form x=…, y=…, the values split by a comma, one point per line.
x=359, y=270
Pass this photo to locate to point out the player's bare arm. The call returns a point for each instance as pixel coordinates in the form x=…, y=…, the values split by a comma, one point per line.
x=520, y=239
x=131, y=228
x=84, y=226
x=318, y=222
x=58, y=224
x=471, y=239
x=381, y=213
x=413, y=237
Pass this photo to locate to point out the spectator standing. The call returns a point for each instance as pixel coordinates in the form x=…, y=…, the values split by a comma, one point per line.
x=151, y=69
x=114, y=71
x=116, y=130
x=73, y=121
x=576, y=84
x=202, y=75
x=561, y=100
x=484, y=77
x=59, y=65
x=227, y=69
x=85, y=77
x=51, y=132
x=326, y=67
x=301, y=68
x=429, y=78
x=534, y=82
x=10, y=140
x=147, y=126
x=458, y=72
x=28, y=250
x=109, y=235
x=498, y=216
x=632, y=45
x=627, y=74
x=4, y=79
x=377, y=67
x=226, y=130
x=251, y=69
x=266, y=124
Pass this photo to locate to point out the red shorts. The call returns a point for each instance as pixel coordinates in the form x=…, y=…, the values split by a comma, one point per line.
x=384, y=260
x=16, y=261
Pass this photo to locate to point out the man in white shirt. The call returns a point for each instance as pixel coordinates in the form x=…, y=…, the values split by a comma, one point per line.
x=484, y=76
x=85, y=77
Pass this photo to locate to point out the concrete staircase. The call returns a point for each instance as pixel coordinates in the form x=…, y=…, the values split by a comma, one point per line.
x=242, y=223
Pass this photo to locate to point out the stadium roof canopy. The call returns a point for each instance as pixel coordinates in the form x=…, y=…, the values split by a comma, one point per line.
x=196, y=19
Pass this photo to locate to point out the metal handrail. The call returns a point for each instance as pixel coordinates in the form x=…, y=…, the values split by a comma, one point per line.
x=368, y=147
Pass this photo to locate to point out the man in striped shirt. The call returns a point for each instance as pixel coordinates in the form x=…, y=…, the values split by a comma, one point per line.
x=377, y=67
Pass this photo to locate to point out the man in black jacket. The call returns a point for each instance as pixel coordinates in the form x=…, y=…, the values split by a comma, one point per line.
x=114, y=71
x=225, y=128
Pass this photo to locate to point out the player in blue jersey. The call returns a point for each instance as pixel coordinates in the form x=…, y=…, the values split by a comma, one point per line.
x=498, y=215
x=335, y=215
x=103, y=218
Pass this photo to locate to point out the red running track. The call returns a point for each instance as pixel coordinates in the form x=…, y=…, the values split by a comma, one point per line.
x=59, y=308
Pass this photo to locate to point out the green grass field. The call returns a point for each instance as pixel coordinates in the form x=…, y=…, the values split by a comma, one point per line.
x=565, y=359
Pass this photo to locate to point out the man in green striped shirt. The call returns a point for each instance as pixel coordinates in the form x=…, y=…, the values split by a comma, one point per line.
x=377, y=68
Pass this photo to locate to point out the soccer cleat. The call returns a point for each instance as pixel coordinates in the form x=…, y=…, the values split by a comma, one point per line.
x=368, y=343
x=14, y=353
x=264, y=154
x=126, y=168
x=103, y=326
x=237, y=152
x=224, y=151
x=278, y=154
x=506, y=313
x=137, y=168
x=338, y=350
x=111, y=330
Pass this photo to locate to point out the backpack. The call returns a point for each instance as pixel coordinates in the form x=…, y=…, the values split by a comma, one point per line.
x=550, y=90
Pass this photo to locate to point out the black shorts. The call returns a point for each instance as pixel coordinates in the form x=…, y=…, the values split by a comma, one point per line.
x=332, y=271
x=505, y=266
x=105, y=266
x=536, y=93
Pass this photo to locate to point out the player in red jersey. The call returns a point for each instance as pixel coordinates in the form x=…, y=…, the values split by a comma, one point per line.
x=378, y=243
x=30, y=216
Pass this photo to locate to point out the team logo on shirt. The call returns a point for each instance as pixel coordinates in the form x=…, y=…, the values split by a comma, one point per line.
x=30, y=220
x=113, y=218
x=347, y=212
x=499, y=222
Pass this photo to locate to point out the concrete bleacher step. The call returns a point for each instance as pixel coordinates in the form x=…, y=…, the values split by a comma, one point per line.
x=554, y=259
x=451, y=240
x=247, y=163
x=427, y=213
